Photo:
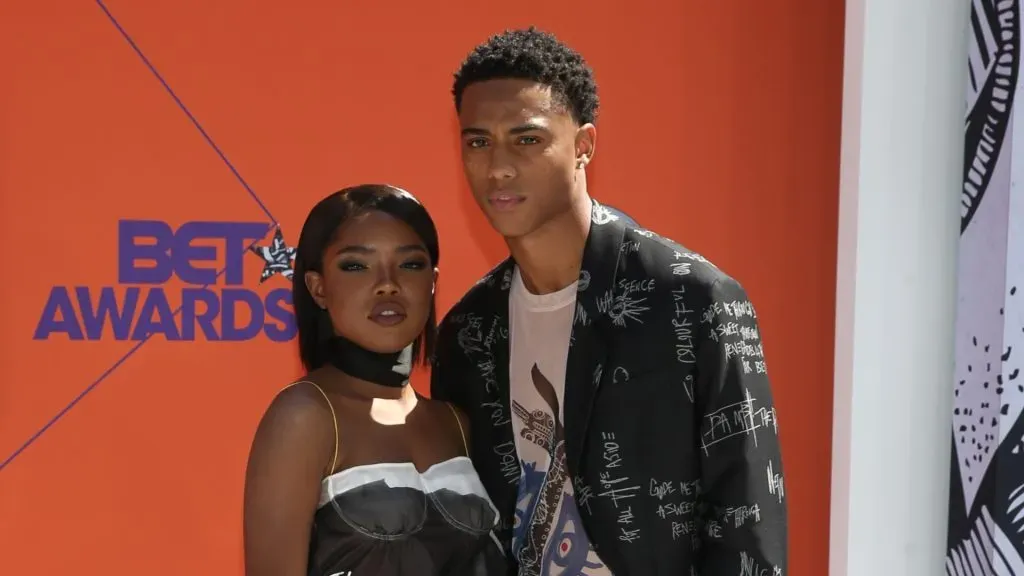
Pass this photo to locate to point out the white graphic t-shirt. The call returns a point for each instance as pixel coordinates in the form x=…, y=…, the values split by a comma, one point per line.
x=548, y=538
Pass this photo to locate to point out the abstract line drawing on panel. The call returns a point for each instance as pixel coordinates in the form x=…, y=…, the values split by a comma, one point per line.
x=986, y=504
x=993, y=61
x=990, y=538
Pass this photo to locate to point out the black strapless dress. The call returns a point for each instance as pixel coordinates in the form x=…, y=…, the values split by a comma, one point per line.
x=391, y=520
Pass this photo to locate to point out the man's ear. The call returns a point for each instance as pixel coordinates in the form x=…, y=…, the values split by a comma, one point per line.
x=586, y=143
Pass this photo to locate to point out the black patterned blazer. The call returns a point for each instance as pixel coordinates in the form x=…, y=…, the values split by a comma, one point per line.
x=670, y=430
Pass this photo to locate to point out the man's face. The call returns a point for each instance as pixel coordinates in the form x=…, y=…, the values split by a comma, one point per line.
x=520, y=152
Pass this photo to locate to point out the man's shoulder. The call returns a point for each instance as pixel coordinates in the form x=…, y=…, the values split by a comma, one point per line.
x=479, y=298
x=671, y=265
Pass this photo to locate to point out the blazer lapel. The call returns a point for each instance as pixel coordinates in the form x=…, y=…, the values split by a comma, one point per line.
x=493, y=362
x=588, y=344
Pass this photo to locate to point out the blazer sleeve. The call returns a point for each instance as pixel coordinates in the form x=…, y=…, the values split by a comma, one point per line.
x=450, y=365
x=445, y=365
x=742, y=494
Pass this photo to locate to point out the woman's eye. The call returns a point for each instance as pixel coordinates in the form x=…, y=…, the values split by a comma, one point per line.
x=415, y=265
x=351, y=266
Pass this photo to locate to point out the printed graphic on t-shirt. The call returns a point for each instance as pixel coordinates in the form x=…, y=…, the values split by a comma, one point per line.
x=548, y=537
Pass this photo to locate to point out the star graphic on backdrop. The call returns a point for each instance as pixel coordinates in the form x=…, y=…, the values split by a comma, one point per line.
x=278, y=258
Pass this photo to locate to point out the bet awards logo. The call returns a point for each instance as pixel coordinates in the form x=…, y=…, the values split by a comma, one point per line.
x=278, y=258
x=181, y=284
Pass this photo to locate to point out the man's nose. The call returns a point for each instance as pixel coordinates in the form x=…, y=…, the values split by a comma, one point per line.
x=502, y=165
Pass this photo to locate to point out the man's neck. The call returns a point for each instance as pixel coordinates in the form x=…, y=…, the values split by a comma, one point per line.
x=550, y=258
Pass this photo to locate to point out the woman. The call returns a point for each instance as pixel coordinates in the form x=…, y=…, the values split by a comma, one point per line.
x=352, y=473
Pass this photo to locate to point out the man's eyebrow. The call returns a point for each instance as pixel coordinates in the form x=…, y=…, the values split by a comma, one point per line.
x=528, y=127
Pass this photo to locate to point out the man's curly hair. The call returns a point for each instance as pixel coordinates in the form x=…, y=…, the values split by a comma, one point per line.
x=533, y=55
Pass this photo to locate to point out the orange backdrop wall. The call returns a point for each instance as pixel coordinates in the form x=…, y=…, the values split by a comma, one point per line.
x=719, y=127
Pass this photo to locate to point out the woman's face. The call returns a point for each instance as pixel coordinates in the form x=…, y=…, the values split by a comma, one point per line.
x=377, y=282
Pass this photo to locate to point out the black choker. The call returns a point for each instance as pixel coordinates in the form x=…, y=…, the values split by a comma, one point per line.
x=385, y=369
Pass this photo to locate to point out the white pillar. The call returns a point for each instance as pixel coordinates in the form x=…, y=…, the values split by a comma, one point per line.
x=899, y=223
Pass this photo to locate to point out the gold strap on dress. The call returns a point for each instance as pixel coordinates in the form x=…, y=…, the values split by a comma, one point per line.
x=334, y=418
x=461, y=431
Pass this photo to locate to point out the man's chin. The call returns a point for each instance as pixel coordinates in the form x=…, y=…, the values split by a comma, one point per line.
x=510, y=228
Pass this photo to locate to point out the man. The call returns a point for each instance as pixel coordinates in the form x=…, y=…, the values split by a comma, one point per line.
x=621, y=416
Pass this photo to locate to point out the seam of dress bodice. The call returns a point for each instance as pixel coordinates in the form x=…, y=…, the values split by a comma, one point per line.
x=460, y=480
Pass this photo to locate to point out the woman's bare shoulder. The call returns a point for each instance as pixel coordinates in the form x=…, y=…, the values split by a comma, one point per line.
x=300, y=408
x=446, y=412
